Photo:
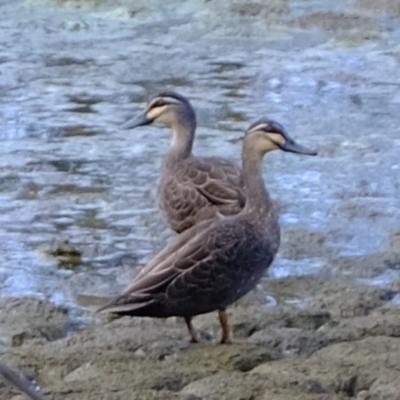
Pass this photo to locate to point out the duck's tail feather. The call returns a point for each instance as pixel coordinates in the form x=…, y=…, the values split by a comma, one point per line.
x=128, y=305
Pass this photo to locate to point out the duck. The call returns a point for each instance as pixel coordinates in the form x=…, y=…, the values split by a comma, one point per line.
x=213, y=264
x=191, y=189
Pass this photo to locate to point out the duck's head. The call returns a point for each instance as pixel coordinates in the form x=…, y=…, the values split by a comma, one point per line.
x=168, y=108
x=266, y=135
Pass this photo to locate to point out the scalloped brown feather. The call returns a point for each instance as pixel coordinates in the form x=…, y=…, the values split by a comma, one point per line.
x=191, y=189
x=195, y=189
x=200, y=271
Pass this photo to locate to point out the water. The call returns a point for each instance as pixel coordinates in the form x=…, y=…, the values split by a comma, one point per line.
x=70, y=77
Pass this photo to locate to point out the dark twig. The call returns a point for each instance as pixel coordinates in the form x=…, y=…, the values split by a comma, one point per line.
x=21, y=383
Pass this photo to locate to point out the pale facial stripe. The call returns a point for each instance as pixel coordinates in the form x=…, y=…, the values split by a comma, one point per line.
x=277, y=138
x=259, y=127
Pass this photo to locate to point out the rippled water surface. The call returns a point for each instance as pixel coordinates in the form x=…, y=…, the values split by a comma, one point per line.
x=70, y=178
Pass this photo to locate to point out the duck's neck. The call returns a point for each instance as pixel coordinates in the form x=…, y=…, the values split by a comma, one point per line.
x=258, y=201
x=183, y=131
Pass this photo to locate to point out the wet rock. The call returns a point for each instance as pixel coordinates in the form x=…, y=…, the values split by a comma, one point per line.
x=307, y=319
x=344, y=368
x=360, y=327
x=334, y=22
x=350, y=300
x=223, y=386
x=302, y=244
x=248, y=319
x=25, y=319
x=277, y=394
x=291, y=341
x=153, y=358
x=59, y=61
x=389, y=7
x=247, y=387
x=82, y=373
x=333, y=296
x=67, y=255
x=250, y=359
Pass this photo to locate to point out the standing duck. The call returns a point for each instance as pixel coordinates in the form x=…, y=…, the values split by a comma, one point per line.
x=191, y=189
x=215, y=263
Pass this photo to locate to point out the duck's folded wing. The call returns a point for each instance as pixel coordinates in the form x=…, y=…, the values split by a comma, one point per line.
x=211, y=276
x=183, y=255
x=179, y=242
x=219, y=181
x=184, y=252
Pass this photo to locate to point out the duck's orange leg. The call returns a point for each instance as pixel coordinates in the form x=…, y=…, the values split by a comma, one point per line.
x=223, y=320
x=192, y=332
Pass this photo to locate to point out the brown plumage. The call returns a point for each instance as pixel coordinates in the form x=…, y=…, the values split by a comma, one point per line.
x=216, y=262
x=191, y=189
x=20, y=382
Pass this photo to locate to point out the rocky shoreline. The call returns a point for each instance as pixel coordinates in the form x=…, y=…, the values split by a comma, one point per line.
x=345, y=344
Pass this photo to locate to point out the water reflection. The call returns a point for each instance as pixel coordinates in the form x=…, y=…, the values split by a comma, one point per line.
x=68, y=173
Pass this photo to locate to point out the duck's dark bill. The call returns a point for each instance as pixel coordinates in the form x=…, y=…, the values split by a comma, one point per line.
x=135, y=122
x=293, y=147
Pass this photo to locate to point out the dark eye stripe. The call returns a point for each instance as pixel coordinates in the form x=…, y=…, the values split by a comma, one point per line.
x=275, y=127
x=162, y=101
x=159, y=103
